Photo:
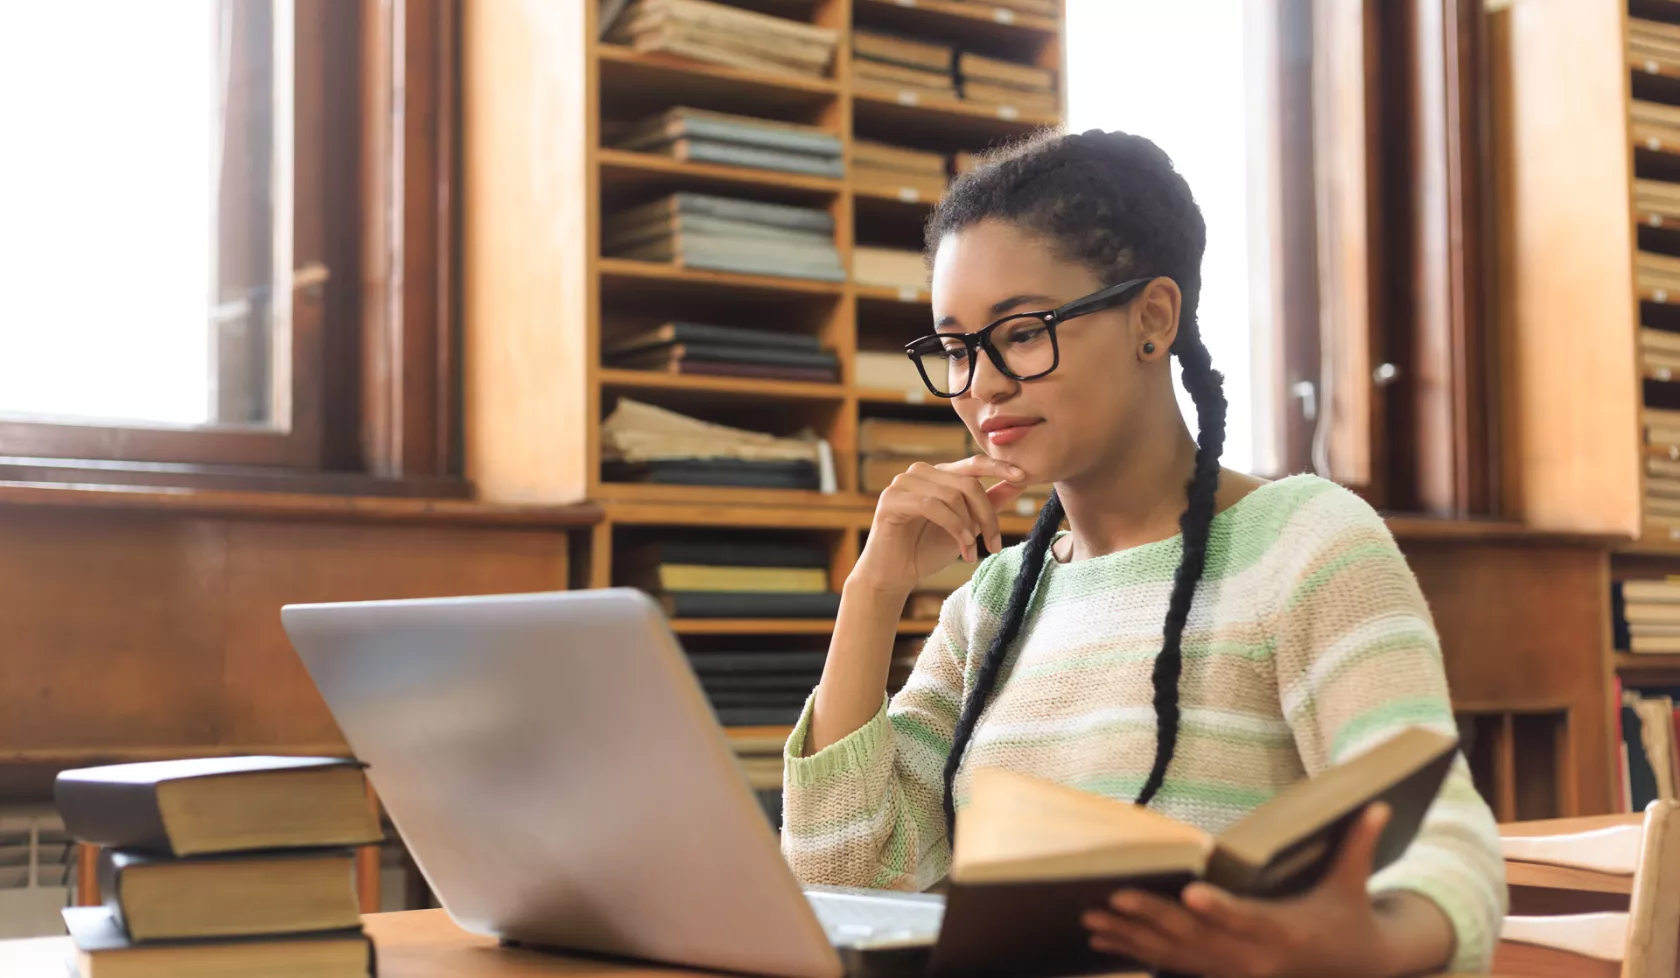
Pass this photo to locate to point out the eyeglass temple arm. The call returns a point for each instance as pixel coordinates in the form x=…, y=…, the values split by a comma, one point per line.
x=1103, y=298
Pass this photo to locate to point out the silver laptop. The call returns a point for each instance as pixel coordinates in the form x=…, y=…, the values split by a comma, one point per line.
x=560, y=779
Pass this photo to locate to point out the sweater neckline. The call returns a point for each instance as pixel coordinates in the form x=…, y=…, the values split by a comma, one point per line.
x=1173, y=544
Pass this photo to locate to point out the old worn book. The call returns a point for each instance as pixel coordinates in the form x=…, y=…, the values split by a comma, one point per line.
x=682, y=122
x=1013, y=97
x=999, y=72
x=219, y=804
x=1031, y=856
x=891, y=74
x=913, y=439
x=889, y=157
x=102, y=950
x=230, y=896
x=711, y=577
x=868, y=45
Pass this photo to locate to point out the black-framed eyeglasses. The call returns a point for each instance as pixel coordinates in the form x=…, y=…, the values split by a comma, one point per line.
x=1021, y=345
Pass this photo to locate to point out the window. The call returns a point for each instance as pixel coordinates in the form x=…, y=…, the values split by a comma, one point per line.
x=219, y=248
x=1181, y=84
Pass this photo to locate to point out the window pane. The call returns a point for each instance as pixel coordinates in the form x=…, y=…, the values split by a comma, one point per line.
x=146, y=164
x=1181, y=83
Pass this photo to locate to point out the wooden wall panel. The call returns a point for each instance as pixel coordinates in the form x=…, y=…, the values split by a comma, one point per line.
x=128, y=633
x=1570, y=425
x=1523, y=627
x=269, y=698
x=110, y=629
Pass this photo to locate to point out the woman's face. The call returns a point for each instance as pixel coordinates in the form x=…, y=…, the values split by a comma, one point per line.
x=1057, y=426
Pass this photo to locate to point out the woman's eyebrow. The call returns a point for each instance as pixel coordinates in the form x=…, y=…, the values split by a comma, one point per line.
x=997, y=308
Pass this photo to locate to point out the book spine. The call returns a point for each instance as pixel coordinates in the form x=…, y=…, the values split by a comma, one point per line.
x=746, y=265
x=734, y=154
x=764, y=604
x=113, y=814
x=110, y=874
x=766, y=137
x=757, y=212
x=777, y=357
x=707, y=333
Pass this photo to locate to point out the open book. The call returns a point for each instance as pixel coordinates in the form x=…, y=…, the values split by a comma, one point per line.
x=1032, y=856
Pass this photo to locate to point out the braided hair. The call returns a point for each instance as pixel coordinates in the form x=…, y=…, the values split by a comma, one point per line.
x=1113, y=203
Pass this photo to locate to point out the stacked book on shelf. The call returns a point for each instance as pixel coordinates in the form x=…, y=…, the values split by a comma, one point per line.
x=1649, y=760
x=907, y=67
x=1653, y=45
x=699, y=136
x=1654, y=125
x=888, y=446
x=1656, y=202
x=1007, y=84
x=221, y=866
x=710, y=576
x=720, y=33
x=1662, y=472
x=1658, y=275
x=759, y=687
x=733, y=351
x=645, y=443
x=893, y=268
x=727, y=234
x=909, y=174
x=1646, y=615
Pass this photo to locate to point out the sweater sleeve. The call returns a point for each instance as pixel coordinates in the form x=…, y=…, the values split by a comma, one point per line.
x=868, y=810
x=1358, y=659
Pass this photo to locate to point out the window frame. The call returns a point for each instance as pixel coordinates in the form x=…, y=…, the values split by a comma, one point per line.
x=373, y=364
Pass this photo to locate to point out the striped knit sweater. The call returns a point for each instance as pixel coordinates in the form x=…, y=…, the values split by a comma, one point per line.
x=1308, y=642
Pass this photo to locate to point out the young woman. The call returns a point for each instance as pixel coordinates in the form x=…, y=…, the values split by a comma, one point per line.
x=1196, y=639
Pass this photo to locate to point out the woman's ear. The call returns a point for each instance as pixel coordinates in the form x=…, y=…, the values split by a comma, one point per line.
x=1156, y=318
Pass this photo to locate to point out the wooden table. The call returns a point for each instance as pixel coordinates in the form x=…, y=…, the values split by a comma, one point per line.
x=414, y=944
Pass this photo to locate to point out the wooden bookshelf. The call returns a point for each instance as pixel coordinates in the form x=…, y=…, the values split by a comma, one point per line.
x=541, y=301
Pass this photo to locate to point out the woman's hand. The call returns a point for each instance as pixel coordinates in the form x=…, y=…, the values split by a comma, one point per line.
x=932, y=514
x=1333, y=929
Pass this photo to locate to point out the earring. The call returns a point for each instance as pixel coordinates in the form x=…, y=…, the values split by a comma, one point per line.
x=1148, y=347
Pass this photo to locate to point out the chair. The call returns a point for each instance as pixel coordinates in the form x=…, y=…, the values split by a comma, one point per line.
x=1593, y=897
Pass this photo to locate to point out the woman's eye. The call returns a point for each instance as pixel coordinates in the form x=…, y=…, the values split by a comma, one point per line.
x=1025, y=334
x=957, y=352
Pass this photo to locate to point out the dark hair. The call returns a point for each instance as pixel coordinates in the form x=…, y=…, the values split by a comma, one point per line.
x=1113, y=203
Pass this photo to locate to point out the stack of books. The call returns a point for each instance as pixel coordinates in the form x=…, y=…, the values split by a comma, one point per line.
x=1009, y=84
x=735, y=351
x=893, y=268
x=1659, y=355
x=1658, y=275
x=699, y=136
x=644, y=443
x=762, y=687
x=727, y=234
x=889, y=370
x=901, y=64
x=1649, y=758
x=1662, y=471
x=709, y=576
x=1656, y=202
x=1646, y=615
x=910, y=174
x=1654, y=125
x=1653, y=45
x=221, y=866
x=720, y=33
x=888, y=446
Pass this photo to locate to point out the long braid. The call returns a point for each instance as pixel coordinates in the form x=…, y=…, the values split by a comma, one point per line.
x=985, y=679
x=1112, y=202
x=1207, y=390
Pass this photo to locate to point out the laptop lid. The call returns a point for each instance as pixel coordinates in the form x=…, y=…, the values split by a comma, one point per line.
x=559, y=777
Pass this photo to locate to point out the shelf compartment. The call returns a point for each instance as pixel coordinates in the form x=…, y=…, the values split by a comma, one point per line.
x=718, y=389
x=930, y=121
x=661, y=276
x=996, y=30
x=700, y=497
x=634, y=84
x=631, y=177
